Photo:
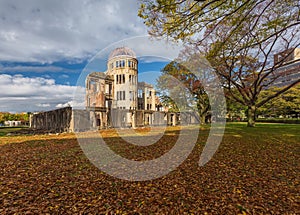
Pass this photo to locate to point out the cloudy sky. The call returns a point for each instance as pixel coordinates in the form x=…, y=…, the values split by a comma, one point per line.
x=45, y=45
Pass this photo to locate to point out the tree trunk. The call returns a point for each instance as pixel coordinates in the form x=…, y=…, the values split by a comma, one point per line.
x=202, y=119
x=251, y=116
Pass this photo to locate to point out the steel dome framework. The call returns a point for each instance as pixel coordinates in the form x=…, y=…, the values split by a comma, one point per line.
x=122, y=51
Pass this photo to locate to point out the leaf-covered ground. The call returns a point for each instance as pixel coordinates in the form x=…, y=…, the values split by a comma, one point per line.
x=255, y=171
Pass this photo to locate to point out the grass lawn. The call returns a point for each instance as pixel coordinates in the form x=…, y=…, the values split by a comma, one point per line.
x=5, y=130
x=255, y=171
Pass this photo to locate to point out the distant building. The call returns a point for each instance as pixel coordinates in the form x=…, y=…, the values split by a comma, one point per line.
x=289, y=70
x=12, y=123
x=287, y=55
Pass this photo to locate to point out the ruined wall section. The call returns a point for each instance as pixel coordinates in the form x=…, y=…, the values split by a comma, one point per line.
x=55, y=121
x=81, y=121
x=95, y=89
x=68, y=120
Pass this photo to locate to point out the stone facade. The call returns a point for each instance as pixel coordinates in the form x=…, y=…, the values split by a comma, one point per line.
x=69, y=120
x=55, y=121
x=118, y=89
x=122, y=66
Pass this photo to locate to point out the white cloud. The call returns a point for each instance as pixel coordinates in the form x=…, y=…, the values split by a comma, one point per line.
x=19, y=93
x=152, y=59
x=73, y=104
x=64, y=76
x=43, y=105
x=46, y=76
x=65, y=31
x=63, y=105
x=36, y=69
x=46, y=31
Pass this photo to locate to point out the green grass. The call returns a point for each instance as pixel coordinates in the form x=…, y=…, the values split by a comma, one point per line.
x=5, y=130
x=265, y=128
x=276, y=120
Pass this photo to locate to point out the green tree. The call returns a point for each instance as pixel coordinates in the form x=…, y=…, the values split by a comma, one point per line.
x=235, y=111
x=182, y=90
x=8, y=117
x=245, y=70
x=238, y=37
x=189, y=19
x=2, y=119
x=286, y=105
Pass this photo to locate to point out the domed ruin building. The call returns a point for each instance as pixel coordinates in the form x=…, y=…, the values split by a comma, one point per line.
x=114, y=98
x=118, y=89
x=123, y=67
